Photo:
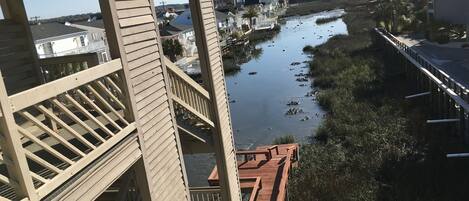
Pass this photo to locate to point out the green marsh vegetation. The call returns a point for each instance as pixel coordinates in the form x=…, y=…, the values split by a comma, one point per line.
x=372, y=145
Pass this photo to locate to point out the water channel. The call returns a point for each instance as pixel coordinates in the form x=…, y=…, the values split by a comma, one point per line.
x=260, y=91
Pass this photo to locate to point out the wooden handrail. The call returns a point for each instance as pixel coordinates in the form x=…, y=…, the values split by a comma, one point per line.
x=273, y=147
x=173, y=68
x=266, y=153
x=57, y=67
x=189, y=94
x=43, y=92
x=285, y=173
x=90, y=58
x=79, y=106
x=255, y=187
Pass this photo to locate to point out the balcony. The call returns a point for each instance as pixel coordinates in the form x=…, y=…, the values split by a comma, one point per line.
x=73, y=129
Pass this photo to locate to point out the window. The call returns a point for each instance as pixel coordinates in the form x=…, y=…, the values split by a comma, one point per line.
x=104, y=55
x=82, y=41
x=48, y=50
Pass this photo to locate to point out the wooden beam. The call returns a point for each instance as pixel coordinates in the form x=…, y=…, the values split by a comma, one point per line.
x=15, y=11
x=46, y=91
x=117, y=45
x=192, y=134
x=13, y=153
x=5, y=10
x=418, y=95
x=442, y=121
x=457, y=155
x=213, y=77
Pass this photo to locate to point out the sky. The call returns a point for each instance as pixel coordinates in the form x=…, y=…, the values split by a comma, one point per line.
x=56, y=8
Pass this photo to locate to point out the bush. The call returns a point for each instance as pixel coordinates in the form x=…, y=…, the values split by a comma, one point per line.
x=325, y=20
x=308, y=48
x=287, y=139
x=442, y=38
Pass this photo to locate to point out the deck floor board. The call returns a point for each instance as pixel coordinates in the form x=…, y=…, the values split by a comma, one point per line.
x=270, y=171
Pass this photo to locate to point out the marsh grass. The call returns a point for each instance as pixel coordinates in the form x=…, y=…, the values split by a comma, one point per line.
x=287, y=139
x=326, y=20
x=372, y=144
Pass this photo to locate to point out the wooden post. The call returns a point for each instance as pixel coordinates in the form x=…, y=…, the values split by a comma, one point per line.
x=15, y=11
x=116, y=49
x=12, y=149
x=207, y=39
x=133, y=37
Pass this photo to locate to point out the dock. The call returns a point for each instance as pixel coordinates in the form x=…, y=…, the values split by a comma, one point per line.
x=264, y=172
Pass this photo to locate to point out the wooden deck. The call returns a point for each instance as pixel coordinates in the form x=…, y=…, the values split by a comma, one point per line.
x=271, y=172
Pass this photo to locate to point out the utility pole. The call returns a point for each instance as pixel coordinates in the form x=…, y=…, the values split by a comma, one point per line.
x=164, y=9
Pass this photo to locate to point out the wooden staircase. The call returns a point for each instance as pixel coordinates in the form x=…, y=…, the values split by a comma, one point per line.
x=73, y=137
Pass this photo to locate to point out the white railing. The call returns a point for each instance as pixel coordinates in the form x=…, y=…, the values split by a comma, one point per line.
x=91, y=47
x=205, y=194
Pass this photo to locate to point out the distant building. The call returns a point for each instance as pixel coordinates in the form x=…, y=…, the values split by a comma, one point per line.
x=96, y=37
x=224, y=4
x=225, y=22
x=181, y=29
x=55, y=39
x=452, y=11
x=266, y=7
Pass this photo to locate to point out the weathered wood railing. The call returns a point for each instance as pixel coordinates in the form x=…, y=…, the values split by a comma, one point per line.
x=205, y=194
x=287, y=166
x=51, y=132
x=253, y=183
x=58, y=67
x=188, y=94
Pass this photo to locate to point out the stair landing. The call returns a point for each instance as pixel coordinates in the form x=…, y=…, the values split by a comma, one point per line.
x=270, y=171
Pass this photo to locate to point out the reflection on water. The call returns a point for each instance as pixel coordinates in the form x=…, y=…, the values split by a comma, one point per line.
x=260, y=91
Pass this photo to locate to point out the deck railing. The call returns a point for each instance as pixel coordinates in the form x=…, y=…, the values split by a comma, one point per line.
x=253, y=183
x=449, y=82
x=205, y=193
x=53, y=131
x=287, y=166
x=188, y=94
x=58, y=67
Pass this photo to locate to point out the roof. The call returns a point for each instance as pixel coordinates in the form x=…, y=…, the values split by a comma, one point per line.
x=184, y=20
x=92, y=23
x=51, y=30
x=221, y=16
x=169, y=30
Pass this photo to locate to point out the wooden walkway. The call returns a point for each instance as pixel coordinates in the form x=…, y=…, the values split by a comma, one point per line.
x=270, y=171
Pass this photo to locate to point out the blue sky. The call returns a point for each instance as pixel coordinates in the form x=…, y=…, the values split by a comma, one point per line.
x=56, y=8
